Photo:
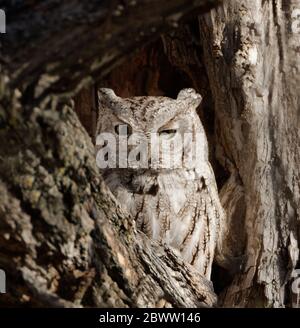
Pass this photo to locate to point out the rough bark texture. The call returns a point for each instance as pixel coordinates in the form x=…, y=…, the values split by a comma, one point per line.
x=252, y=58
x=55, y=48
x=64, y=240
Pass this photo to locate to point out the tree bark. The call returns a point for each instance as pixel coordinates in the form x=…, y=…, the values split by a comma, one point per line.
x=55, y=48
x=251, y=52
x=64, y=240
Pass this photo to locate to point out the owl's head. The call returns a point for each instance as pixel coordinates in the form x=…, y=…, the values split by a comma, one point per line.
x=139, y=119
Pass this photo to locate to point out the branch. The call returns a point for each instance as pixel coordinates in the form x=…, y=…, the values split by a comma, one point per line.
x=56, y=47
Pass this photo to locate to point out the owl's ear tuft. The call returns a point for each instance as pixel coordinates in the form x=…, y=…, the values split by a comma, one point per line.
x=107, y=96
x=190, y=95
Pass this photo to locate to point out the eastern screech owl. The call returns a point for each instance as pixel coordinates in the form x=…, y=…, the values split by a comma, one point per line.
x=176, y=204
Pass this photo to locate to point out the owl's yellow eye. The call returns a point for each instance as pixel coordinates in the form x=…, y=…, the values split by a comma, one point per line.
x=168, y=133
x=123, y=129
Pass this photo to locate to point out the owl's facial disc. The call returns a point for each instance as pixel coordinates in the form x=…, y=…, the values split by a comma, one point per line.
x=130, y=124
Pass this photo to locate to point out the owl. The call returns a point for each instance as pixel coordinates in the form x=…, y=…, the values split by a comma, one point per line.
x=154, y=159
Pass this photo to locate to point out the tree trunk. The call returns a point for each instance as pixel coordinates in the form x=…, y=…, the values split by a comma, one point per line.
x=64, y=240
x=251, y=53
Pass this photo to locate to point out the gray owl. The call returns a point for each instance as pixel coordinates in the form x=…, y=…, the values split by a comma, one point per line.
x=173, y=198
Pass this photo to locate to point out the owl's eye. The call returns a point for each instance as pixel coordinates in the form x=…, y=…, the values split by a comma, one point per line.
x=123, y=129
x=168, y=133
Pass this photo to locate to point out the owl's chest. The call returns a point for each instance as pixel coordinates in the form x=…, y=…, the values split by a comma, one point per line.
x=162, y=206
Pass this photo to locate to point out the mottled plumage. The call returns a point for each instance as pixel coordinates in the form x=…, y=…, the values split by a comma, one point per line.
x=177, y=206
